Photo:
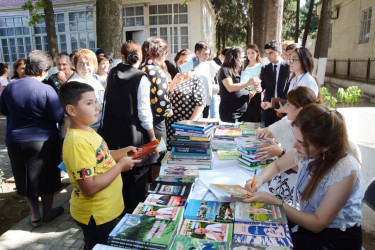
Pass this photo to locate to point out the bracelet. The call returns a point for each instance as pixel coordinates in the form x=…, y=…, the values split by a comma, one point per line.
x=277, y=166
x=282, y=153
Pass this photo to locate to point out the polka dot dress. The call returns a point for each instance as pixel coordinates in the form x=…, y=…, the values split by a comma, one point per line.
x=159, y=89
x=184, y=98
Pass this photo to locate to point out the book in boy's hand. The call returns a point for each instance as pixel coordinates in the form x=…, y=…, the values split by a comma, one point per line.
x=262, y=233
x=209, y=211
x=159, y=212
x=136, y=231
x=184, y=242
x=229, y=192
x=259, y=212
x=146, y=150
x=214, y=231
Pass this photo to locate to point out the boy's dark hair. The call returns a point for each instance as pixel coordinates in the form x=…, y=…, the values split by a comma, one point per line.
x=201, y=45
x=71, y=93
x=3, y=66
x=275, y=45
x=37, y=62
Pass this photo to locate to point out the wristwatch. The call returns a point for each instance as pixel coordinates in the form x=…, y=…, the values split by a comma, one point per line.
x=282, y=153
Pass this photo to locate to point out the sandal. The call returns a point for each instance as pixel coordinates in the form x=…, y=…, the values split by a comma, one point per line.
x=58, y=211
x=36, y=223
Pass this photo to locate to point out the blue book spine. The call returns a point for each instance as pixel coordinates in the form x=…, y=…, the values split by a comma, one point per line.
x=190, y=150
x=176, y=127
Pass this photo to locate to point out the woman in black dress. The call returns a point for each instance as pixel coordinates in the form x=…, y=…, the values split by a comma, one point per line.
x=186, y=93
x=127, y=119
x=34, y=148
x=233, y=93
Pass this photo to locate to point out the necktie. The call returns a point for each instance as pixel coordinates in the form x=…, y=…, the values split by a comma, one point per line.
x=274, y=77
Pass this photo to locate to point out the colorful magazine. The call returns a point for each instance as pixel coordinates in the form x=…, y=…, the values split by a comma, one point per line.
x=262, y=233
x=159, y=212
x=170, y=188
x=165, y=200
x=145, y=150
x=213, y=231
x=209, y=211
x=136, y=231
x=179, y=171
x=184, y=242
x=259, y=212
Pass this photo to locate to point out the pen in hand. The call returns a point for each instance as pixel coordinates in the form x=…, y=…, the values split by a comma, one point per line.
x=253, y=183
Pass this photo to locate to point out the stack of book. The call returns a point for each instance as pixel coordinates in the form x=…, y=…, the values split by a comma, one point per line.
x=176, y=173
x=224, y=135
x=248, y=146
x=250, y=128
x=191, y=144
x=261, y=224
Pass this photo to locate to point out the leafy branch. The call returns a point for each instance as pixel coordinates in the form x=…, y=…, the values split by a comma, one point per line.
x=34, y=7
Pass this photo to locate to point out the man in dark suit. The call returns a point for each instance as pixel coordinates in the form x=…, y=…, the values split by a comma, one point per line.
x=274, y=80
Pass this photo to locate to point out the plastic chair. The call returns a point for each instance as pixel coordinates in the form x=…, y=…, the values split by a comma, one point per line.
x=369, y=197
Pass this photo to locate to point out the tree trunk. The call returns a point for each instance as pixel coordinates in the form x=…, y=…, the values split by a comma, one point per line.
x=308, y=21
x=218, y=34
x=274, y=19
x=259, y=24
x=321, y=49
x=296, y=32
x=51, y=30
x=109, y=26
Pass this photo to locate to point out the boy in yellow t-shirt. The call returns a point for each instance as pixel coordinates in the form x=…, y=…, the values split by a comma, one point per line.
x=96, y=199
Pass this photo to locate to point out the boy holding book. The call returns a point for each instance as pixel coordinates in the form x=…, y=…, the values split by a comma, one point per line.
x=96, y=199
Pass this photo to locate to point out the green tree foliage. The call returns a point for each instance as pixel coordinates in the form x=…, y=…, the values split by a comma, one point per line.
x=34, y=7
x=289, y=24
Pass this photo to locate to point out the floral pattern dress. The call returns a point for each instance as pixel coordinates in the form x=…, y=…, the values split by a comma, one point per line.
x=184, y=98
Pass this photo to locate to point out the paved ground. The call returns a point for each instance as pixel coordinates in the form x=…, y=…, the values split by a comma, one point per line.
x=62, y=233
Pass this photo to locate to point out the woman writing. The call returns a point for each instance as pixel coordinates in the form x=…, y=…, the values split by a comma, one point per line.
x=186, y=94
x=253, y=67
x=329, y=186
x=32, y=137
x=234, y=96
x=283, y=184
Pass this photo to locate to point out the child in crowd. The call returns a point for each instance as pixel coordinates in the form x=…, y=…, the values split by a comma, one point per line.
x=96, y=200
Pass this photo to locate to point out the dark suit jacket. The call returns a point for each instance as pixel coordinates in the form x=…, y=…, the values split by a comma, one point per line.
x=268, y=81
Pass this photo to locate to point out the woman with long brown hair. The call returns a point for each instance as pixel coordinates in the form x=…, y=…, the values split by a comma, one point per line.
x=329, y=187
x=253, y=66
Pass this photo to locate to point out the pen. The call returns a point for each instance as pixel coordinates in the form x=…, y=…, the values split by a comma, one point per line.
x=253, y=183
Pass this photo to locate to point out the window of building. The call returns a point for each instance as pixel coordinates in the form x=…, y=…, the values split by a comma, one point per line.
x=81, y=27
x=365, y=26
x=15, y=39
x=168, y=14
x=176, y=37
x=133, y=16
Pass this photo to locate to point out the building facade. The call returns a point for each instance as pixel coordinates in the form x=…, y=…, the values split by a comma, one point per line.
x=180, y=25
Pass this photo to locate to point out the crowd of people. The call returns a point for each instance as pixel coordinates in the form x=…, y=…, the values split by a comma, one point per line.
x=102, y=111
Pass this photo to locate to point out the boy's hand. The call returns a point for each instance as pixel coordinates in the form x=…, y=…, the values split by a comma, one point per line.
x=129, y=149
x=127, y=163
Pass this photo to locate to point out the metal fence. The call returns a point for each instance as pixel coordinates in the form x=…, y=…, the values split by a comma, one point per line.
x=352, y=69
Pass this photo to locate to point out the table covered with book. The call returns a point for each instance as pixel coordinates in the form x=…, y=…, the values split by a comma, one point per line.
x=196, y=205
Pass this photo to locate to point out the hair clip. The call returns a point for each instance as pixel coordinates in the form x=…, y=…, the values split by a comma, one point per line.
x=130, y=56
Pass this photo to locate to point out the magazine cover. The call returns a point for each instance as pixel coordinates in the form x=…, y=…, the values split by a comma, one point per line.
x=241, y=246
x=179, y=171
x=214, y=231
x=165, y=200
x=174, y=179
x=159, y=212
x=138, y=231
x=259, y=212
x=262, y=233
x=186, y=243
x=209, y=211
x=171, y=188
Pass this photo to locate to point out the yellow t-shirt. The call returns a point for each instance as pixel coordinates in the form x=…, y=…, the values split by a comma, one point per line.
x=86, y=152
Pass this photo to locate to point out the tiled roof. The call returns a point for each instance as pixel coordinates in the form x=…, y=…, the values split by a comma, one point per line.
x=19, y=3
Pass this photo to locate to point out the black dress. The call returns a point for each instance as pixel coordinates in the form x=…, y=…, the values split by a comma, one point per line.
x=232, y=104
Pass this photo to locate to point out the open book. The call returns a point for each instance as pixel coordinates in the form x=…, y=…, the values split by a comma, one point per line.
x=229, y=192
